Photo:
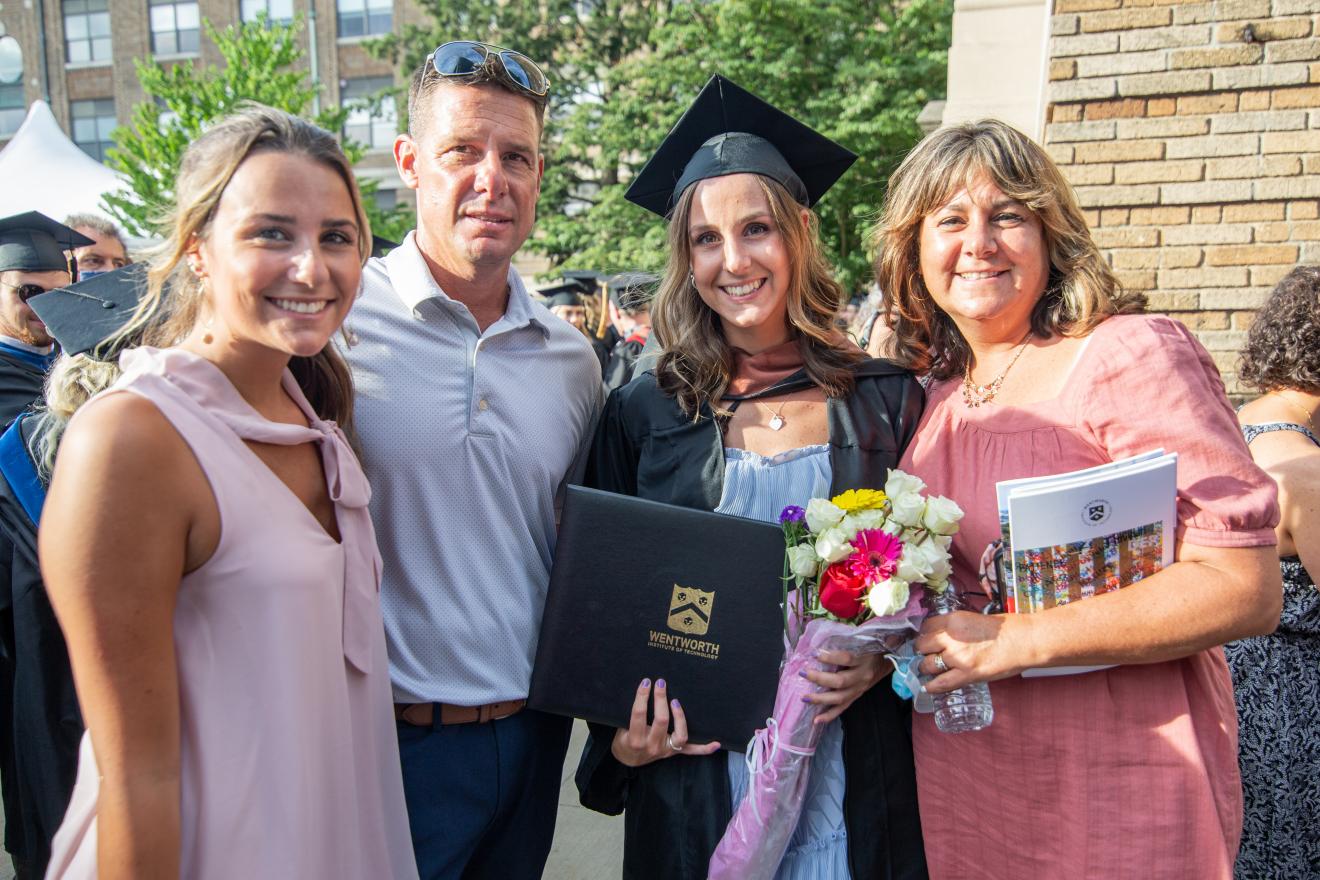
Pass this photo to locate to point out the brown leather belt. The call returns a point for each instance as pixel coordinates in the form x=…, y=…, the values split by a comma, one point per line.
x=423, y=714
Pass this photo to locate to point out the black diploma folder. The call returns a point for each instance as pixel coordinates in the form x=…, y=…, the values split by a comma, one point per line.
x=642, y=589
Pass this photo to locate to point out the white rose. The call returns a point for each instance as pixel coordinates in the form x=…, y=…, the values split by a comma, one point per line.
x=937, y=558
x=945, y=541
x=802, y=561
x=914, y=564
x=908, y=508
x=942, y=515
x=832, y=545
x=888, y=597
x=900, y=483
x=822, y=515
x=892, y=527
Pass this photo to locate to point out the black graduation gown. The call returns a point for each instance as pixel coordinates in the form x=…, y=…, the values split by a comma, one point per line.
x=40, y=722
x=677, y=809
x=21, y=383
x=623, y=362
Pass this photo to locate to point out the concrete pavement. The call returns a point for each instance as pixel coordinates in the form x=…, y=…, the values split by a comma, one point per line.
x=588, y=846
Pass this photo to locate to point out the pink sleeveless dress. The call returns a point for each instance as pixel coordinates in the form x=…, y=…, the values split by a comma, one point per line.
x=289, y=759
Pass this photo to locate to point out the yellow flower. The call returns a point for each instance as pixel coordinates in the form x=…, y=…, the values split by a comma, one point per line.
x=859, y=499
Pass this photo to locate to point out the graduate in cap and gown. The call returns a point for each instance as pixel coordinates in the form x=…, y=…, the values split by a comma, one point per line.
x=630, y=295
x=32, y=261
x=42, y=715
x=568, y=300
x=756, y=402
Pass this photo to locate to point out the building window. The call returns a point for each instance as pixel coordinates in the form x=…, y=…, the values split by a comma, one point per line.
x=12, y=111
x=372, y=130
x=174, y=27
x=358, y=18
x=277, y=11
x=86, y=31
x=92, y=123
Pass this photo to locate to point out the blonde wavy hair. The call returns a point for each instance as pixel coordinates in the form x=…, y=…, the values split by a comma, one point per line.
x=170, y=307
x=1081, y=290
x=697, y=363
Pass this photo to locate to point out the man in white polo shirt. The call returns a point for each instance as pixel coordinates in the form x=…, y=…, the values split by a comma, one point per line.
x=475, y=407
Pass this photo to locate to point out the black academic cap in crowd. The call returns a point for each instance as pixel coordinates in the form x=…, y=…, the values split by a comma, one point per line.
x=728, y=130
x=32, y=242
x=83, y=315
x=565, y=293
x=631, y=290
x=589, y=279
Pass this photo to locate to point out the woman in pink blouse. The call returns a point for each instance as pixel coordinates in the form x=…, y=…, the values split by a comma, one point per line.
x=1040, y=363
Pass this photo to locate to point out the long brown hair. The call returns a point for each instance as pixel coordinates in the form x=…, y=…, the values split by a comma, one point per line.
x=1081, y=290
x=697, y=362
x=169, y=309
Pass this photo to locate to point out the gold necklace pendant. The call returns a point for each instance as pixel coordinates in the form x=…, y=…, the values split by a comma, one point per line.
x=974, y=395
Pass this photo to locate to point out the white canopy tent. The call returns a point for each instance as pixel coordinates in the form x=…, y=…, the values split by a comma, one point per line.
x=44, y=171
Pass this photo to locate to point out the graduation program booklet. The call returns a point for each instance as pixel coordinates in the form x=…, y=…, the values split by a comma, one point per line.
x=641, y=589
x=1071, y=536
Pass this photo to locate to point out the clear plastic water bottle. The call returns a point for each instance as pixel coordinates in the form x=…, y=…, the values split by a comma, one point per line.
x=969, y=707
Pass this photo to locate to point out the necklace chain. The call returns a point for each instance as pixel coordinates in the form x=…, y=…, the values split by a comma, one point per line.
x=974, y=395
x=777, y=419
x=1301, y=409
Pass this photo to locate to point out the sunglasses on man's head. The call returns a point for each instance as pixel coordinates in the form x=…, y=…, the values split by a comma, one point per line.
x=466, y=57
x=26, y=291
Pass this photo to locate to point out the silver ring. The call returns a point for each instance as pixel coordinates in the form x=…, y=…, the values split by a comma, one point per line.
x=940, y=666
x=671, y=744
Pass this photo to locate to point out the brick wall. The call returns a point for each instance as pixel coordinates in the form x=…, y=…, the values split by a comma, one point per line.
x=1192, y=134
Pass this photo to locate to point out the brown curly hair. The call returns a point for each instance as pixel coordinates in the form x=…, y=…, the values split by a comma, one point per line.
x=1283, y=345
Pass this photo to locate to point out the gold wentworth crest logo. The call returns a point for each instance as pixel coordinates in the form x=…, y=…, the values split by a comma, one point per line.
x=689, y=610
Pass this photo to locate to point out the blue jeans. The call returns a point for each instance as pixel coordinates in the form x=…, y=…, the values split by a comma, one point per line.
x=482, y=798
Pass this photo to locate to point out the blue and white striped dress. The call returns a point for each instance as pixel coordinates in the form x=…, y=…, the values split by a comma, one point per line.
x=758, y=487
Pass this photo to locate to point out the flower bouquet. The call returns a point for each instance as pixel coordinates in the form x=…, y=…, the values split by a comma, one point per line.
x=858, y=564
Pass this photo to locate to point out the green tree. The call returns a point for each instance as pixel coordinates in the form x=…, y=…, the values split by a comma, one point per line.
x=182, y=99
x=622, y=71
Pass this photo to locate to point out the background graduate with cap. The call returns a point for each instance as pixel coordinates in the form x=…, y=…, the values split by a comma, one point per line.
x=40, y=713
x=757, y=402
x=32, y=261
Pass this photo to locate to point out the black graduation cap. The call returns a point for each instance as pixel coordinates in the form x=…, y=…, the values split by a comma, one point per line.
x=83, y=315
x=630, y=290
x=32, y=242
x=565, y=293
x=588, y=278
x=728, y=130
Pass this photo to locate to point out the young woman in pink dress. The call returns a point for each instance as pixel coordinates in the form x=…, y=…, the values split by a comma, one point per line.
x=208, y=551
x=1040, y=363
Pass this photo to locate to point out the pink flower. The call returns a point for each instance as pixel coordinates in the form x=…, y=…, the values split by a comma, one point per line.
x=875, y=556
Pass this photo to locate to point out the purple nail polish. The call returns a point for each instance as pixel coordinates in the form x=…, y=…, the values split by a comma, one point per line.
x=806, y=699
x=674, y=703
x=802, y=673
x=660, y=683
x=646, y=683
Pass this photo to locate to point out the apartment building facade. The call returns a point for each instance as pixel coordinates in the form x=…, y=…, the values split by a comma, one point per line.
x=79, y=55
